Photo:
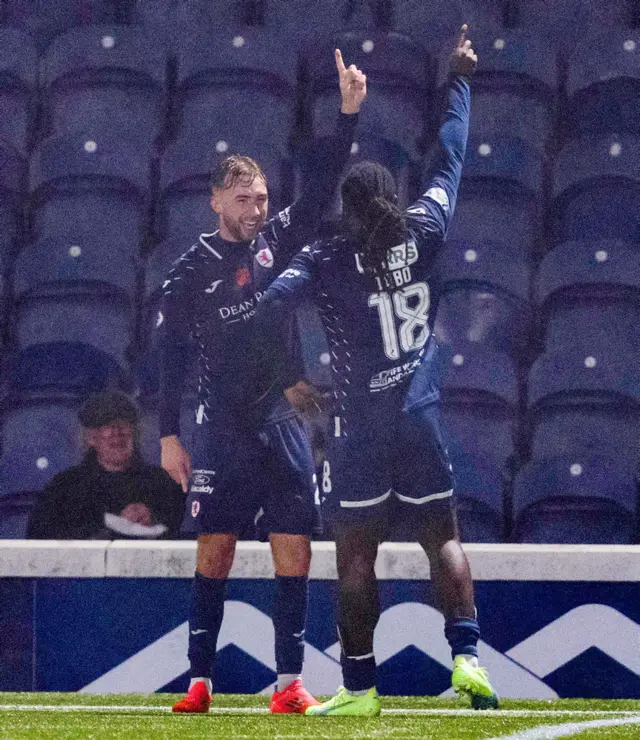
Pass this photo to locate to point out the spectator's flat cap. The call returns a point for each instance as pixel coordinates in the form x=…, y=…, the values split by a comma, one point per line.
x=103, y=408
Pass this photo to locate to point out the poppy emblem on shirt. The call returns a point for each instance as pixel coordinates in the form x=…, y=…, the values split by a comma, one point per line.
x=265, y=257
x=243, y=276
x=195, y=509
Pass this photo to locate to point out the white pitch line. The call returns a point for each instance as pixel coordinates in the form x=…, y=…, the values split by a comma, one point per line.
x=550, y=732
x=261, y=710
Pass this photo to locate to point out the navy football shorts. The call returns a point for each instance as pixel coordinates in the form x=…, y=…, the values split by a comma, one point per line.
x=388, y=464
x=251, y=482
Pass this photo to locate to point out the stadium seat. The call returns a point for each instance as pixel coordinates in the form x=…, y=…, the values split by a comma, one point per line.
x=100, y=319
x=398, y=90
x=56, y=261
x=18, y=83
x=479, y=498
x=566, y=23
x=112, y=74
x=15, y=510
x=434, y=24
x=484, y=296
x=40, y=438
x=585, y=400
x=603, y=83
x=514, y=87
x=64, y=367
x=296, y=22
x=575, y=500
x=590, y=291
x=91, y=189
x=500, y=193
x=596, y=189
x=43, y=20
x=479, y=404
x=238, y=83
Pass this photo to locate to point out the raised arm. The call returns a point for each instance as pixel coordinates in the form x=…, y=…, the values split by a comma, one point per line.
x=433, y=211
x=298, y=223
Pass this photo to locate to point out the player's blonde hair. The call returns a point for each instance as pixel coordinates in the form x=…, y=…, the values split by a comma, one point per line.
x=234, y=169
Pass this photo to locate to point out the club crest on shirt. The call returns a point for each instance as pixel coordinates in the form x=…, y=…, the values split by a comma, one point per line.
x=265, y=257
x=243, y=276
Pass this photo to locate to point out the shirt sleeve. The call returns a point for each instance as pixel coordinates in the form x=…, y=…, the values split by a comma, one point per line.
x=298, y=223
x=430, y=216
x=175, y=349
x=271, y=338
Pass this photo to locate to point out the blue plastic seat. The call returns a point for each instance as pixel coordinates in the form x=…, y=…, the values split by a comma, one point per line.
x=43, y=20
x=566, y=23
x=64, y=367
x=500, y=193
x=76, y=265
x=479, y=403
x=514, y=87
x=575, y=500
x=302, y=19
x=597, y=189
x=433, y=23
x=18, y=83
x=586, y=399
x=398, y=92
x=590, y=291
x=479, y=498
x=91, y=189
x=112, y=74
x=101, y=319
x=603, y=83
x=39, y=439
x=15, y=510
x=484, y=296
x=236, y=82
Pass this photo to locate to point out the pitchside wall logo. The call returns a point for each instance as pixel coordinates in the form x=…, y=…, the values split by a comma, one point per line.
x=518, y=673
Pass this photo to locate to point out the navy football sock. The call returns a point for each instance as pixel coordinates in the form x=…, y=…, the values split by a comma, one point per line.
x=289, y=621
x=205, y=618
x=358, y=671
x=462, y=634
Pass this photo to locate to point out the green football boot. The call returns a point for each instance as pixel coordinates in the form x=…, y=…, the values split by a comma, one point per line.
x=345, y=704
x=473, y=681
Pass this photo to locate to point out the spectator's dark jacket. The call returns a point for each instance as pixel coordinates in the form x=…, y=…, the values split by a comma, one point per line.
x=74, y=502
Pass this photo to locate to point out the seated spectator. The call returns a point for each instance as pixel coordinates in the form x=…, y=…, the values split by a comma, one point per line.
x=113, y=493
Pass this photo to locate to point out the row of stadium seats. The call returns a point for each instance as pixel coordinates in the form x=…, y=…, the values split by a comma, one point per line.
x=121, y=75
x=564, y=21
x=584, y=293
x=97, y=187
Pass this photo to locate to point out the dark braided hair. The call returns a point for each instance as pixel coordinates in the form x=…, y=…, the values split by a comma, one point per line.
x=371, y=213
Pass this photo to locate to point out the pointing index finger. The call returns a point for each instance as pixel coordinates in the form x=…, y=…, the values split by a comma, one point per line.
x=463, y=33
x=339, y=62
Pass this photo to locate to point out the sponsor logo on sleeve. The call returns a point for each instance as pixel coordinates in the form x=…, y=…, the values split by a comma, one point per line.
x=285, y=217
x=440, y=197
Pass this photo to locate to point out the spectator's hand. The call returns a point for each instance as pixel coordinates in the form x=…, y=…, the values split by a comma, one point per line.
x=176, y=461
x=138, y=514
x=306, y=399
x=353, y=85
x=464, y=59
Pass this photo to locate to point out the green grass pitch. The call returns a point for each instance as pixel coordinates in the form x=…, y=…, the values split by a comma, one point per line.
x=137, y=717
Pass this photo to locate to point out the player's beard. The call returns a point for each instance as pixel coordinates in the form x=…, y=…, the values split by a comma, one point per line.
x=239, y=231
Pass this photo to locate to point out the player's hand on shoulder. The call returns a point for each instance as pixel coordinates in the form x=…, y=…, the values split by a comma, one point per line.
x=176, y=461
x=464, y=59
x=306, y=399
x=353, y=85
